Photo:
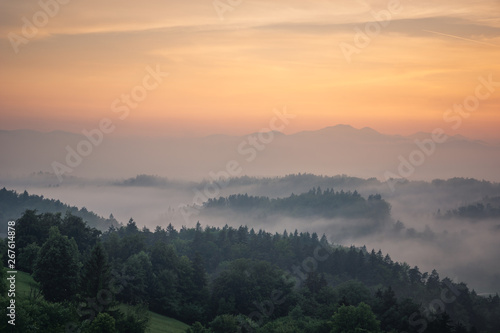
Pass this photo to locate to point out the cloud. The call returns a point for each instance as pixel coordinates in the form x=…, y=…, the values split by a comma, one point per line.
x=407, y=26
x=264, y=53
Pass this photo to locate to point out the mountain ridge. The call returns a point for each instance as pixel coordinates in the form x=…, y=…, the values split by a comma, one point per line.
x=339, y=149
x=333, y=129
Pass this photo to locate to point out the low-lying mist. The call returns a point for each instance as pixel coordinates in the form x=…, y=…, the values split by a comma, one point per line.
x=418, y=230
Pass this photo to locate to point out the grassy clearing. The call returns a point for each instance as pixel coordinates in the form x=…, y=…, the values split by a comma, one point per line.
x=24, y=285
x=157, y=323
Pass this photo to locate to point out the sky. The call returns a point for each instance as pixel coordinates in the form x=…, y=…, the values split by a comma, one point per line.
x=396, y=66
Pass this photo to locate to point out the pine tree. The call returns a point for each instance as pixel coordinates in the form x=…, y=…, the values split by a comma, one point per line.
x=200, y=279
x=57, y=267
x=95, y=273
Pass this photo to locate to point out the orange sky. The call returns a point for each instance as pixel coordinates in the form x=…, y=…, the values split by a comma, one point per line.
x=226, y=76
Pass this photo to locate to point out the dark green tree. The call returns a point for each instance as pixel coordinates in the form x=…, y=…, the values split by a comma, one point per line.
x=353, y=292
x=27, y=257
x=247, y=285
x=139, y=289
x=200, y=279
x=134, y=320
x=315, y=282
x=197, y=327
x=39, y=315
x=103, y=323
x=224, y=323
x=359, y=319
x=35, y=228
x=441, y=323
x=95, y=275
x=163, y=256
x=200, y=293
x=131, y=227
x=74, y=227
x=57, y=267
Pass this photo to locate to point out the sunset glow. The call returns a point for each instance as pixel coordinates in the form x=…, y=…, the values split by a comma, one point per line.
x=226, y=76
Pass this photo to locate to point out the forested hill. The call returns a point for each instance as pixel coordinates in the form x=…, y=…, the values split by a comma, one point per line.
x=315, y=203
x=226, y=280
x=13, y=205
x=487, y=208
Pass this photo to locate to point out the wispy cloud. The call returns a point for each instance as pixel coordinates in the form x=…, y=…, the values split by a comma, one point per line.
x=262, y=53
x=461, y=38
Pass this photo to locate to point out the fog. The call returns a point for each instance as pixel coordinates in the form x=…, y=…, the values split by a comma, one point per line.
x=463, y=249
x=192, y=170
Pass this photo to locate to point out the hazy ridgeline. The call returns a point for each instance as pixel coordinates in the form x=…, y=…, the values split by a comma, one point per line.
x=433, y=224
x=330, y=151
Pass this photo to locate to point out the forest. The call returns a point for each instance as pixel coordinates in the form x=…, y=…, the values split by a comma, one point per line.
x=487, y=208
x=227, y=279
x=328, y=204
x=13, y=205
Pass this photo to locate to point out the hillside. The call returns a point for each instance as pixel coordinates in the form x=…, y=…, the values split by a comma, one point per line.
x=27, y=290
x=229, y=278
x=13, y=205
x=315, y=203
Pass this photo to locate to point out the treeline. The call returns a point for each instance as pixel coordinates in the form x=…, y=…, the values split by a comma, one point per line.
x=301, y=179
x=308, y=180
x=488, y=208
x=316, y=202
x=67, y=259
x=13, y=205
x=229, y=280
x=146, y=181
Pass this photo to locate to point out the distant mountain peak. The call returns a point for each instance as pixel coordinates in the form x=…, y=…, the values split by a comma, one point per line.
x=339, y=126
x=278, y=133
x=369, y=129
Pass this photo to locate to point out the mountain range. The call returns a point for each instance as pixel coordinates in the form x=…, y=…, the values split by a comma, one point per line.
x=339, y=149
